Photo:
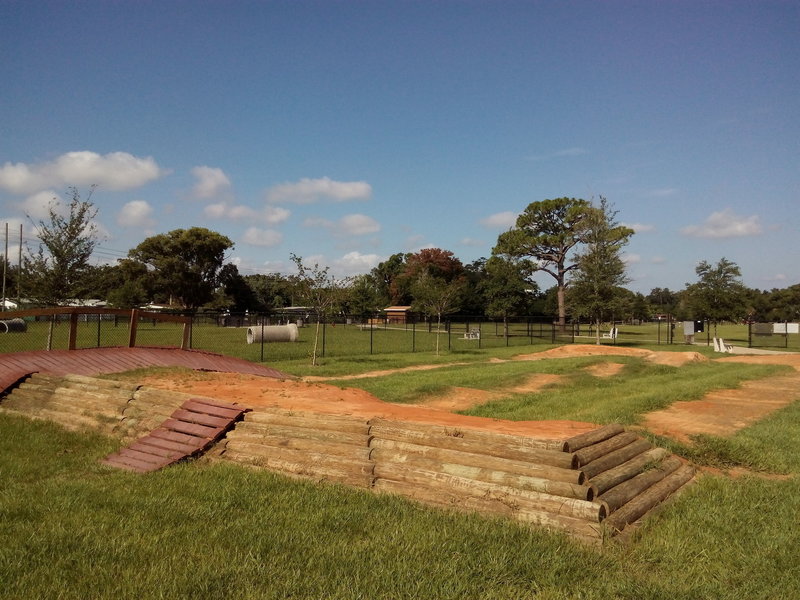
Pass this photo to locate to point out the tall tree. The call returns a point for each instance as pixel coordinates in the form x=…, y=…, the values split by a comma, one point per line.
x=719, y=294
x=321, y=291
x=596, y=284
x=548, y=231
x=184, y=264
x=54, y=272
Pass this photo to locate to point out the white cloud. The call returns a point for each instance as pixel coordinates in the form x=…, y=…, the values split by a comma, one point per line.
x=349, y=225
x=658, y=260
x=501, y=220
x=640, y=227
x=211, y=183
x=355, y=263
x=725, y=224
x=270, y=215
x=275, y=214
x=113, y=171
x=262, y=237
x=136, y=213
x=357, y=225
x=308, y=191
x=37, y=206
x=216, y=211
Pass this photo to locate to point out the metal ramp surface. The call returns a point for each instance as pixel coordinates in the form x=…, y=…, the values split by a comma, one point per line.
x=189, y=431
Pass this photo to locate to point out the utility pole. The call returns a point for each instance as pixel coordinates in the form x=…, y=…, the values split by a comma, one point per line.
x=5, y=263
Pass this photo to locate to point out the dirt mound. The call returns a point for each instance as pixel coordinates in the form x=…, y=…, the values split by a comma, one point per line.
x=675, y=359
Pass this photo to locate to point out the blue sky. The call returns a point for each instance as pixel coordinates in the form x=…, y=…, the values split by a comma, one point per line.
x=345, y=132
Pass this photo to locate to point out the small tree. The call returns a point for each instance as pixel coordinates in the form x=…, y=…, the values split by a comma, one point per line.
x=596, y=284
x=719, y=295
x=53, y=273
x=436, y=296
x=321, y=291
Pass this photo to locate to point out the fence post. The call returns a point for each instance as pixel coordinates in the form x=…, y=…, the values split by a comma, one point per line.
x=132, y=328
x=370, y=324
x=262, y=339
x=99, y=319
x=749, y=334
x=448, y=335
x=413, y=336
x=324, y=323
x=73, y=331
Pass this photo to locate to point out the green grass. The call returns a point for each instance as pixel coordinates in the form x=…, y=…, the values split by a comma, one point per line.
x=71, y=528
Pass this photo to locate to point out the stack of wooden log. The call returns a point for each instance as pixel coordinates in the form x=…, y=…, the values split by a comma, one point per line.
x=591, y=485
x=74, y=401
x=317, y=446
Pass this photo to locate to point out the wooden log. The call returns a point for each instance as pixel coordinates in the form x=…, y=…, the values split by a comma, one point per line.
x=512, y=480
x=329, y=448
x=582, y=440
x=71, y=421
x=488, y=506
x=529, y=500
x=613, y=459
x=308, y=420
x=321, y=476
x=310, y=433
x=308, y=460
x=111, y=384
x=608, y=479
x=481, y=460
x=472, y=434
x=644, y=502
x=499, y=445
x=628, y=490
x=595, y=451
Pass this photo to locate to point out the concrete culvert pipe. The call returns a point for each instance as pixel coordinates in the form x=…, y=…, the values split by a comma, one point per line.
x=272, y=333
x=13, y=326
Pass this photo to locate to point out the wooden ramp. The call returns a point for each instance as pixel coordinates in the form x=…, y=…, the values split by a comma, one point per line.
x=189, y=431
x=96, y=361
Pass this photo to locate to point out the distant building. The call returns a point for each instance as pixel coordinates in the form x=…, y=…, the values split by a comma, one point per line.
x=397, y=314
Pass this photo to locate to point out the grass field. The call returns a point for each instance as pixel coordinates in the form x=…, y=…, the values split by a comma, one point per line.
x=336, y=341
x=71, y=528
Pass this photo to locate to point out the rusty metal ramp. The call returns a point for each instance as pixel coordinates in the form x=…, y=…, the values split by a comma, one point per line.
x=189, y=431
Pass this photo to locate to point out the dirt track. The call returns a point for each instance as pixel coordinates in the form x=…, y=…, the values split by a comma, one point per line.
x=720, y=413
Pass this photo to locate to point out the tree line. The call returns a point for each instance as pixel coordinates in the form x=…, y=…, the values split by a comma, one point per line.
x=578, y=243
